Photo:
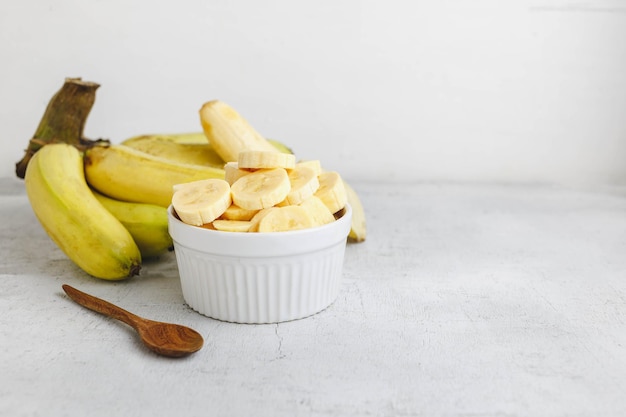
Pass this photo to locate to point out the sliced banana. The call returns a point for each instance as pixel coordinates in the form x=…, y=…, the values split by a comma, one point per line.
x=314, y=164
x=286, y=218
x=261, y=189
x=201, y=202
x=265, y=159
x=232, y=172
x=254, y=223
x=304, y=184
x=332, y=191
x=232, y=225
x=319, y=213
x=234, y=212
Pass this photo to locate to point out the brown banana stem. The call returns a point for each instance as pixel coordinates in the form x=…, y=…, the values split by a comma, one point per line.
x=64, y=119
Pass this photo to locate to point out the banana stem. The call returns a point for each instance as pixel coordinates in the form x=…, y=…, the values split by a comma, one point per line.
x=64, y=120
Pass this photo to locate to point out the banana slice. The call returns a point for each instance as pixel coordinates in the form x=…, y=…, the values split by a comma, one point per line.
x=261, y=189
x=254, y=223
x=201, y=202
x=319, y=213
x=285, y=218
x=208, y=226
x=232, y=225
x=304, y=184
x=265, y=159
x=314, y=164
x=332, y=191
x=232, y=172
x=234, y=212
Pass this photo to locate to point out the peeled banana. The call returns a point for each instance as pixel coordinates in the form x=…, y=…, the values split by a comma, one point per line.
x=228, y=132
x=127, y=174
x=147, y=224
x=74, y=219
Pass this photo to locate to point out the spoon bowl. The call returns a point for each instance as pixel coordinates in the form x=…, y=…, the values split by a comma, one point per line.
x=167, y=339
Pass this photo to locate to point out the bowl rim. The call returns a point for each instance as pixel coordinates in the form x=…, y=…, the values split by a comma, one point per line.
x=259, y=244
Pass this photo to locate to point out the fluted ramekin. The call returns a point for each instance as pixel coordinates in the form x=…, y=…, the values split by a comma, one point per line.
x=260, y=277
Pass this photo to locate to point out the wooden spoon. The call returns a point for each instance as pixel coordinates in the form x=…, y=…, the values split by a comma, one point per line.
x=166, y=339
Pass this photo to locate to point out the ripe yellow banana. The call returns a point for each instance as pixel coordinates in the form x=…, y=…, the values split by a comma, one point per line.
x=185, y=148
x=74, y=219
x=184, y=138
x=147, y=224
x=124, y=173
x=358, y=228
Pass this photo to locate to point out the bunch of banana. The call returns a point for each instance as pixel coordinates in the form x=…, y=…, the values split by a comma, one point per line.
x=73, y=217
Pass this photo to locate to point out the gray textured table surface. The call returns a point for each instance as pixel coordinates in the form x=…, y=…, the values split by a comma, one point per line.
x=466, y=300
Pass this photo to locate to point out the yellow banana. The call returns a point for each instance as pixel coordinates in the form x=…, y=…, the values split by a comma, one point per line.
x=186, y=148
x=74, y=219
x=184, y=138
x=358, y=229
x=147, y=224
x=191, y=138
x=124, y=173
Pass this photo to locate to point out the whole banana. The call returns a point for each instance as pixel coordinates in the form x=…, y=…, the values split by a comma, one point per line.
x=147, y=224
x=358, y=229
x=127, y=174
x=74, y=219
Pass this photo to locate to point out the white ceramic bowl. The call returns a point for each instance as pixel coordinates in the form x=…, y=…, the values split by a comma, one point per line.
x=260, y=277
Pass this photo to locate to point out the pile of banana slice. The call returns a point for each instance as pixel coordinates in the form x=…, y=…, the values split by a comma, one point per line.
x=264, y=191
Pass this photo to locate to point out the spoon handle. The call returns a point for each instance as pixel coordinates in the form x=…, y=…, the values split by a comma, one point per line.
x=101, y=306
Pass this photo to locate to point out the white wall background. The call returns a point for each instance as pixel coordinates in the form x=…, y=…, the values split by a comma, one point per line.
x=483, y=90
